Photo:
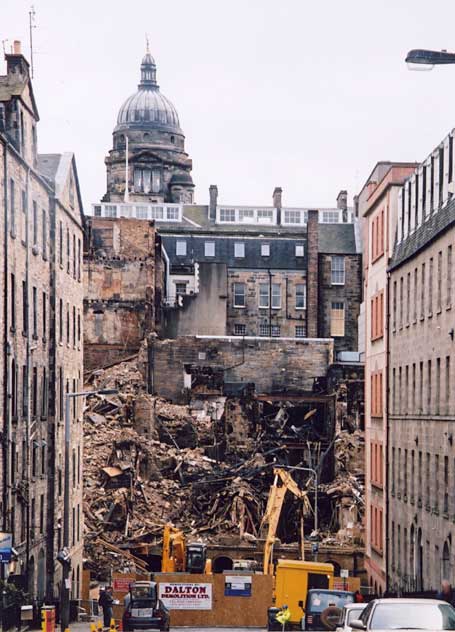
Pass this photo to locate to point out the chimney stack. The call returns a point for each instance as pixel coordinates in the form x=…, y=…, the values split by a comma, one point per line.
x=213, y=194
x=277, y=193
x=342, y=204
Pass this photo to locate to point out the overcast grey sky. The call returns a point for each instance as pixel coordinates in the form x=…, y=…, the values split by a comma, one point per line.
x=293, y=93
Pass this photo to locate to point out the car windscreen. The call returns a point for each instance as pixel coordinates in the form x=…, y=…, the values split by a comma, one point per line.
x=319, y=601
x=414, y=616
x=353, y=613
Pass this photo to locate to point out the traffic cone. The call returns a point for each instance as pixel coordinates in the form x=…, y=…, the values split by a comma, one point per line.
x=112, y=627
x=92, y=627
x=120, y=625
x=99, y=626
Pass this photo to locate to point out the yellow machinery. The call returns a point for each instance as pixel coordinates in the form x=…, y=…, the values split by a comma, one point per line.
x=293, y=578
x=180, y=557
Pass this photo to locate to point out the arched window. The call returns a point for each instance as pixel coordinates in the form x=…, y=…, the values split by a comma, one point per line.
x=172, y=139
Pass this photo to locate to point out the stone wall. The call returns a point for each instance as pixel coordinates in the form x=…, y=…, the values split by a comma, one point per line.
x=123, y=279
x=272, y=364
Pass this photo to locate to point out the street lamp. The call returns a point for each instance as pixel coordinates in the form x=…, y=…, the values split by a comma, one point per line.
x=422, y=59
x=64, y=555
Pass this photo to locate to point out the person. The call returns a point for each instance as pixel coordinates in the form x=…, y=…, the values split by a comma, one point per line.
x=446, y=593
x=106, y=602
x=283, y=616
x=358, y=597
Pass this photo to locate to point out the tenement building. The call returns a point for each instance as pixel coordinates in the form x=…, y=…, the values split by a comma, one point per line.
x=378, y=209
x=421, y=452
x=41, y=329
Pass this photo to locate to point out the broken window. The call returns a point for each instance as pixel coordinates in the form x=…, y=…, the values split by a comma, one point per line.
x=209, y=248
x=300, y=331
x=239, y=250
x=265, y=250
x=239, y=329
x=337, y=319
x=239, y=294
x=300, y=296
x=337, y=272
x=180, y=248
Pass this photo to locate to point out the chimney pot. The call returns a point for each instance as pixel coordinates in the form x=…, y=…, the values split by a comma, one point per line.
x=277, y=195
x=17, y=47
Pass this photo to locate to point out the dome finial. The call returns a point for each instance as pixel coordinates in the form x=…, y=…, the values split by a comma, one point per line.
x=147, y=44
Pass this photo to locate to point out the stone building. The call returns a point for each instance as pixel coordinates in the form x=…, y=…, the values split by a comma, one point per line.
x=41, y=329
x=123, y=285
x=148, y=146
x=378, y=209
x=421, y=405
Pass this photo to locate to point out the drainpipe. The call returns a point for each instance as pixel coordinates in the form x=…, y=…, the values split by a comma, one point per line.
x=270, y=303
x=6, y=353
x=28, y=363
x=387, y=432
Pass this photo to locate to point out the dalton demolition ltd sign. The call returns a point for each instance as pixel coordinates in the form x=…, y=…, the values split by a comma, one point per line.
x=186, y=596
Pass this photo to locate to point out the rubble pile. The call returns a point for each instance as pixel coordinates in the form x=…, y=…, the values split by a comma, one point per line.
x=206, y=467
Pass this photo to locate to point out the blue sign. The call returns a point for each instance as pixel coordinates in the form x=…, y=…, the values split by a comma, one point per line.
x=237, y=586
x=6, y=545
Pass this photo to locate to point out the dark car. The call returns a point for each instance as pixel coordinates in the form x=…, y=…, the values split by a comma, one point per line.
x=143, y=609
x=323, y=608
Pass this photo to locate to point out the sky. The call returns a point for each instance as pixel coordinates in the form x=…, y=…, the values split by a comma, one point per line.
x=293, y=93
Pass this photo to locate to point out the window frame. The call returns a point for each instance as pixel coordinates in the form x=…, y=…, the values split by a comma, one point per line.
x=208, y=246
x=332, y=318
x=239, y=250
x=181, y=248
x=334, y=270
x=235, y=294
x=300, y=294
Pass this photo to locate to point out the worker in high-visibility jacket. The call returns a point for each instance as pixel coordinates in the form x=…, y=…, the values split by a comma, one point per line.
x=283, y=616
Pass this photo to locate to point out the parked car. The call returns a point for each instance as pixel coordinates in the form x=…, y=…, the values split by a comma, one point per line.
x=406, y=614
x=143, y=609
x=323, y=608
x=350, y=611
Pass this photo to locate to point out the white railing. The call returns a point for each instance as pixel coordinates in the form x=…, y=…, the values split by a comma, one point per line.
x=268, y=215
x=158, y=212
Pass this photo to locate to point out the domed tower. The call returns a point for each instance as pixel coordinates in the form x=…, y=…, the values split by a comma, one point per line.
x=159, y=169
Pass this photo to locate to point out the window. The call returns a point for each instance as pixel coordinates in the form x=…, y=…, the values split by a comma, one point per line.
x=441, y=174
x=264, y=330
x=429, y=388
x=41, y=513
x=438, y=386
x=430, y=288
x=394, y=391
x=447, y=386
x=68, y=328
x=35, y=223
x=265, y=250
x=376, y=405
x=156, y=181
x=416, y=280
x=172, y=213
x=74, y=326
x=61, y=399
x=416, y=208
x=393, y=471
x=275, y=331
x=60, y=321
x=14, y=389
x=74, y=258
x=300, y=296
x=405, y=472
x=413, y=401
x=60, y=243
x=419, y=479
x=35, y=312
x=276, y=296
x=78, y=259
x=78, y=327
x=68, y=251
x=436, y=478
x=377, y=316
x=450, y=158
x=239, y=294
x=337, y=275
x=300, y=331
x=44, y=229
x=420, y=388
x=239, y=250
x=209, y=248
x=377, y=236
x=180, y=248
x=264, y=295
x=337, y=319
x=412, y=477
x=394, y=308
x=24, y=392
x=439, y=286
x=44, y=315
x=299, y=250
x=227, y=215
x=449, y=276
x=292, y=217
x=34, y=392
x=422, y=294
x=180, y=288
x=13, y=301
x=12, y=203
x=78, y=464
x=239, y=330
x=265, y=216
x=446, y=485
x=376, y=463
x=246, y=215
x=432, y=185
x=401, y=301
x=44, y=396
x=408, y=297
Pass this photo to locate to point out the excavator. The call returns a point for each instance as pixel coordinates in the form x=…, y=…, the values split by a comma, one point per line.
x=180, y=557
x=292, y=578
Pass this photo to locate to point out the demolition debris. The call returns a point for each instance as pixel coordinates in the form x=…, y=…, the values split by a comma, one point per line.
x=206, y=467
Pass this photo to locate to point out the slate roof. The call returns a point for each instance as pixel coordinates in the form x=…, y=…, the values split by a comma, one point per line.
x=337, y=239
x=434, y=226
x=48, y=165
x=282, y=252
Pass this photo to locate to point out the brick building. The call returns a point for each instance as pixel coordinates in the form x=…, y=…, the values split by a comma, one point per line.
x=421, y=453
x=41, y=329
x=123, y=279
x=378, y=209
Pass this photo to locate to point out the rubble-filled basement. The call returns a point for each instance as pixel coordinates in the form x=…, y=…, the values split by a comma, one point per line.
x=206, y=465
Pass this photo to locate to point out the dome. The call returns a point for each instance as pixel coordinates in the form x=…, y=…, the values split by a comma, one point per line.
x=181, y=177
x=148, y=108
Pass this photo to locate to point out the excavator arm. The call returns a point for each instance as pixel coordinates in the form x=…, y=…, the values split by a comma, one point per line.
x=273, y=511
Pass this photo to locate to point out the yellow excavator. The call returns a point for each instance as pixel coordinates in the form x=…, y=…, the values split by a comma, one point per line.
x=292, y=578
x=180, y=557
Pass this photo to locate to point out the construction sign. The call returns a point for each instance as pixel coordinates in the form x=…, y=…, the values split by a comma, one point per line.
x=186, y=596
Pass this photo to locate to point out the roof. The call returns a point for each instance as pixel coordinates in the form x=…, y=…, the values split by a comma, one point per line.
x=427, y=232
x=337, y=239
x=14, y=85
x=48, y=164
